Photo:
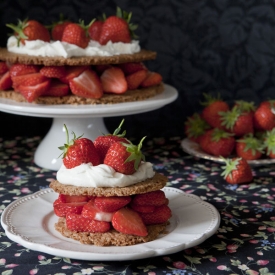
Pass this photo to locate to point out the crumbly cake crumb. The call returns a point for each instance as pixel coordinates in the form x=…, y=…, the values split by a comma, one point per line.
x=153, y=184
x=129, y=96
x=111, y=237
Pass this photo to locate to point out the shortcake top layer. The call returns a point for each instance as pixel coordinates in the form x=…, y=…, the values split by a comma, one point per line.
x=140, y=56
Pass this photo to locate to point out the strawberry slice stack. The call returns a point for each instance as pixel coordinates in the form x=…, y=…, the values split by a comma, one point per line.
x=126, y=214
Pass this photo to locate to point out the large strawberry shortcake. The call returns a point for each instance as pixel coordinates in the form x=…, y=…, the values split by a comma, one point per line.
x=108, y=193
x=100, y=63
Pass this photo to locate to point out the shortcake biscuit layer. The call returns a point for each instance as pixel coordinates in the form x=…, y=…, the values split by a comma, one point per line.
x=153, y=184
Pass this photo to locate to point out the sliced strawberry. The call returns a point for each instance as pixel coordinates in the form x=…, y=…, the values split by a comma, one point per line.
x=87, y=85
x=93, y=212
x=21, y=69
x=160, y=215
x=101, y=68
x=57, y=88
x=152, y=79
x=3, y=67
x=79, y=223
x=142, y=208
x=132, y=67
x=5, y=81
x=57, y=201
x=154, y=198
x=72, y=198
x=62, y=209
x=111, y=204
x=127, y=221
x=72, y=72
x=113, y=81
x=28, y=80
x=135, y=79
x=53, y=71
x=33, y=92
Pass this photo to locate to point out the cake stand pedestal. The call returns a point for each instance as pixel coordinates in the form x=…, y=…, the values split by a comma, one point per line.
x=80, y=119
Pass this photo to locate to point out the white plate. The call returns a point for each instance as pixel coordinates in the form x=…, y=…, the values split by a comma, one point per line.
x=99, y=110
x=30, y=221
x=193, y=148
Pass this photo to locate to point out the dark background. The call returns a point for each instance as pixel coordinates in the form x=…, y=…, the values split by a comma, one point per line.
x=213, y=46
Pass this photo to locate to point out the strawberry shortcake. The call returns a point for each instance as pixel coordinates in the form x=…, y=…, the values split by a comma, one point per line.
x=108, y=193
x=74, y=63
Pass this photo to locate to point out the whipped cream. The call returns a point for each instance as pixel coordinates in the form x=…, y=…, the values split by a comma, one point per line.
x=87, y=175
x=64, y=49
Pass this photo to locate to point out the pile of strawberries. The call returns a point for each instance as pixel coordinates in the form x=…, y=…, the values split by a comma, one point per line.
x=126, y=214
x=85, y=81
x=244, y=130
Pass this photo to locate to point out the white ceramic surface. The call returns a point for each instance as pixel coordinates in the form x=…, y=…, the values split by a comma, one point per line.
x=30, y=220
x=82, y=119
x=194, y=149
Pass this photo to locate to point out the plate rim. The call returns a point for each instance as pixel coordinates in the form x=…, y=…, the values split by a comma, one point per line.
x=107, y=256
x=196, y=152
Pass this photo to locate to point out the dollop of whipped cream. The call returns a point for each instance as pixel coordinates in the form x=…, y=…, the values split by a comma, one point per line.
x=87, y=175
x=64, y=49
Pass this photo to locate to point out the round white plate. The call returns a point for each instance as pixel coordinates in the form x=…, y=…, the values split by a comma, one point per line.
x=30, y=221
x=99, y=110
x=193, y=148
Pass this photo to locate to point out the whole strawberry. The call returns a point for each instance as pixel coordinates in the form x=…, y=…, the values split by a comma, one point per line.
x=76, y=34
x=117, y=28
x=211, y=111
x=195, y=127
x=57, y=28
x=264, y=118
x=217, y=142
x=249, y=147
x=237, y=121
x=125, y=158
x=236, y=171
x=30, y=30
x=102, y=143
x=78, y=150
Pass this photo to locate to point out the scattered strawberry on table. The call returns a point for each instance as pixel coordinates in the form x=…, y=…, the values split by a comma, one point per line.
x=84, y=81
x=126, y=214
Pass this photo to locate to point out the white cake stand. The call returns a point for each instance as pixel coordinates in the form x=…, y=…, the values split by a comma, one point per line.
x=81, y=119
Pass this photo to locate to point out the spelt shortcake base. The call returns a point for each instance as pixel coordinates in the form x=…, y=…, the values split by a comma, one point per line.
x=110, y=238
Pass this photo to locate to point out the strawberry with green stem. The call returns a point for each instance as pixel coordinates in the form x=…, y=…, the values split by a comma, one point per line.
x=124, y=157
x=249, y=147
x=269, y=143
x=78, y=150
x=236, y=171
x=264, y=116
x=212, y=108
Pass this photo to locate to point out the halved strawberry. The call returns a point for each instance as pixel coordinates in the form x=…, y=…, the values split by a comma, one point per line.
x=142, y=208
x=79, y=223
x=113, y=81
x=33, y=92
x=152, y=79
x=5, y=81
x=127, y=221
x=53, y=71
x=72, y=198
x=3, y=67
x=90, y=210
x=132, y=67
x=161, y=215
x=111, y=204
x=87, y=85
x=57, y=88
x=135, y=79
x=21, y=69
x=28, y=80
x=154, y=198
x=62, y=209
x=72, y=72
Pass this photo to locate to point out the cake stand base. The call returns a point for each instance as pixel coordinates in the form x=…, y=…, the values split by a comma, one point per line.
x=48, y=155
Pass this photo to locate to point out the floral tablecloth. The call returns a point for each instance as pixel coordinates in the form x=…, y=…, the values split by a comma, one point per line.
x=243, y=244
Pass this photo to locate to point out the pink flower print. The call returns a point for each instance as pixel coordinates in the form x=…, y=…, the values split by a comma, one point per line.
x=11, y=265
x=232, y=248
x=179, y=265
x=262, y=262
x=254, y=241
x=33, y=271
x=222, y=267
x=213, y=259
x=41, y=257
x=2, y=261
x=271, y=229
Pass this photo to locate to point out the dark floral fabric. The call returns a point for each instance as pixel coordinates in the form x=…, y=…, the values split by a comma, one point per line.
x=243, y=244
